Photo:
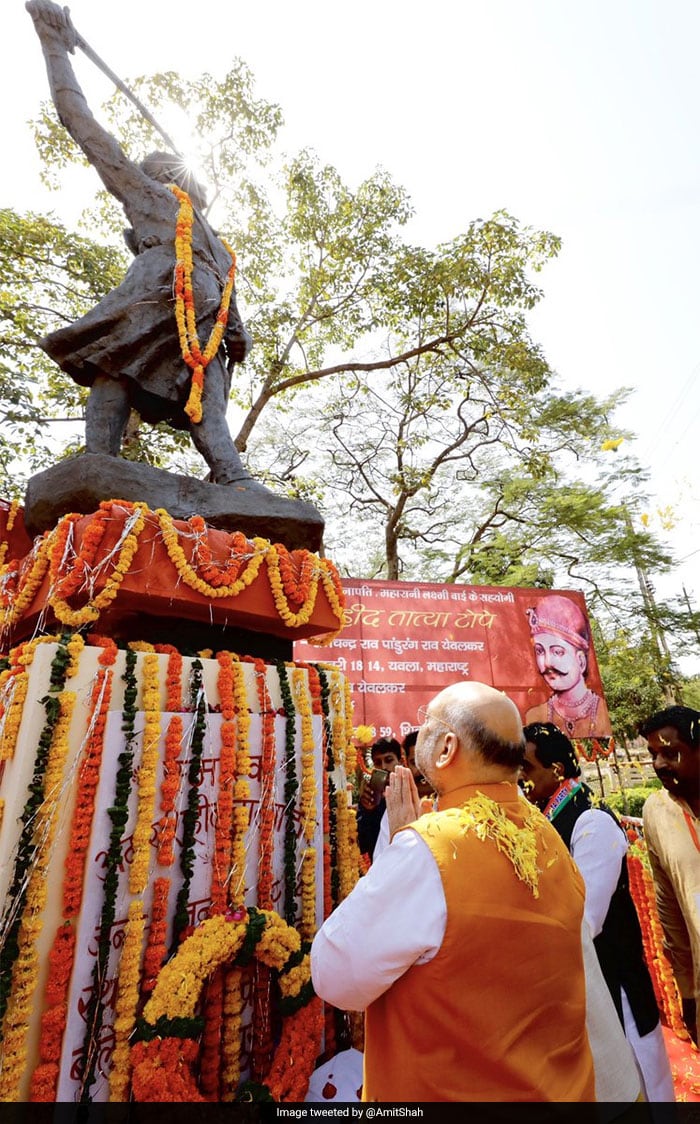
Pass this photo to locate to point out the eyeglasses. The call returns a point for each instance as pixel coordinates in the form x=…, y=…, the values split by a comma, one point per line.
x=424, y=716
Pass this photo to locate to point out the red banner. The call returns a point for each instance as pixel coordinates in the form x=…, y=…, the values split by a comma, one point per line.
x=405, y=641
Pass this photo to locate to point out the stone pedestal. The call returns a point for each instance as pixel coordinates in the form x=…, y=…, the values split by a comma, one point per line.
x=81, y=483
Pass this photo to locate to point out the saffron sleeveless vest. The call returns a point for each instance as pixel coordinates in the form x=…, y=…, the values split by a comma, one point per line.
x=499, y=1013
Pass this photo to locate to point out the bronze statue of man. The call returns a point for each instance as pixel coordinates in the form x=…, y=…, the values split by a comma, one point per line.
x=127, y=348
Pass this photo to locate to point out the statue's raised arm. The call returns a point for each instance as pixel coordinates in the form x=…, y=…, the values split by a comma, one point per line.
x=58, y=40
x=130, y=349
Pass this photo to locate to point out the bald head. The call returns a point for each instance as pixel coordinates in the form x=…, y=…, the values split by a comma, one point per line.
x=477, y=702
x=472, y=733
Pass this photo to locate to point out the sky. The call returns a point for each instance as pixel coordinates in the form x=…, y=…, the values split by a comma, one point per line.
x=579, y=118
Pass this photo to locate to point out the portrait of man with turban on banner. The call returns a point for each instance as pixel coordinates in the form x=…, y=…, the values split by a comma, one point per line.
x=561, y=640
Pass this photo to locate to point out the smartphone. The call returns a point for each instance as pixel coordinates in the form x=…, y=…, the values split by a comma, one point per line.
x=378, y=780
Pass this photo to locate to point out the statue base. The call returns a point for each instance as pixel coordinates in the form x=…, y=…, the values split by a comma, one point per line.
x=81, y=483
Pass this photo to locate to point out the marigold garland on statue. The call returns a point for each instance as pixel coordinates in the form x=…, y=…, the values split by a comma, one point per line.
x=294, y=576
x=185, y=312
x=291, y=787
x=9, y=524
x=138, y=875
x=53, y=1020
x=163, y=1059
x=26, y=847
x=25, y=968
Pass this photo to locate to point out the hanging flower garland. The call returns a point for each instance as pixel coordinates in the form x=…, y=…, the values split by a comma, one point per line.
x=233, y=982
x=257, y=549
x=219, y=572
x=126, y=1002
x=14, y=683
x=241, y=791
x=185, y=313
x=25, y=969
x=294, y=577
x=20, y=580
x=283, y=584
x=138, y=875
x=26, y=847
x=53, y=1020
x=665, y=987
x=156, y=947
x=129, y=965
x=267, y=785
x=170, y=783
x=126, y=549
x=9, y=524
x=590, y=749
x=301, y=679
x=262, y=1030
x=169, y=788
x=291, y=787
x=66, y=580
x=164, y=1057
x=227, y=775
x=119, y=815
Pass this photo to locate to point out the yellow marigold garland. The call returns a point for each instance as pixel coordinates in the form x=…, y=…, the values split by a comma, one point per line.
x=185, y=312
x=138, y=875
x=25, y=972
x=9, y=524
x=214, y=943
x=302, y=701
x=187, y=572
x=127, y=1002
x=76, y=618
x=233, y=1031
x=294, y=581
x=13, y=685
x=20, y=580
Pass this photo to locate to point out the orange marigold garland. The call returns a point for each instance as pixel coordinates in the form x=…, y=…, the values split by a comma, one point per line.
x=156, y=943
x=14, y=684
x=170, y=783
x=164, y=1058
x=241, y=791
x=169, y=788
x=53, y=1021
x=25, y=970
x=227, y=774
x=185, y=313
x=126, y=549
x=667, y=995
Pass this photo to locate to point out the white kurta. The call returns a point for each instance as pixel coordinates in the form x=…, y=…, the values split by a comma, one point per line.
x=598, y=848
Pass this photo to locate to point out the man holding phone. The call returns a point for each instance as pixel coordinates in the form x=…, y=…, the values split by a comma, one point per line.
x=386, y=755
